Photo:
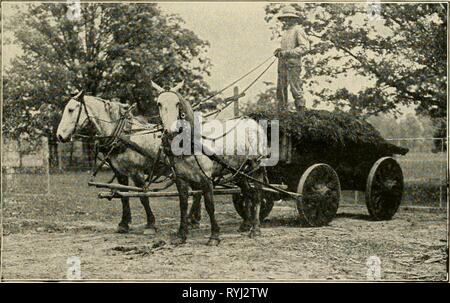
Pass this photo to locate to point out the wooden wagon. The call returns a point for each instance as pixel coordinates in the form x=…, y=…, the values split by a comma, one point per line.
x=320, y=154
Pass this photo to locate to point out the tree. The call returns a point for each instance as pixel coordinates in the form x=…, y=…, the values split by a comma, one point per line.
x=401, y=51
x=407, y=130
x=108, y=50
x=264, y=100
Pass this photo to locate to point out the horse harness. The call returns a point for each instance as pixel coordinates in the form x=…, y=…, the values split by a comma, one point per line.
x=169, y=154
x=116, y=142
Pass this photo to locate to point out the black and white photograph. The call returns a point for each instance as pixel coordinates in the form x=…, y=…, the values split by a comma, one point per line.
x=224, y=142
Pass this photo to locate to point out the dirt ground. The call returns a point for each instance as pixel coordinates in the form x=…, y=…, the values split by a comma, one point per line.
x=42, y=232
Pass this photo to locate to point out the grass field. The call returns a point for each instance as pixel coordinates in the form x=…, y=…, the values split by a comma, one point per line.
x=425, y=177
x=417, y=166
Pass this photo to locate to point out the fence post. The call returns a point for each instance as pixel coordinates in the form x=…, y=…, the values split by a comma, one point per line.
x=46, y=160
x=236, y=102
x=58, y=154
x=10, y=180
x=441, y=202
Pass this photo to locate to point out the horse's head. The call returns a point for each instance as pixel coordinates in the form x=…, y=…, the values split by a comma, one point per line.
x=74, y=116
x=173, y=109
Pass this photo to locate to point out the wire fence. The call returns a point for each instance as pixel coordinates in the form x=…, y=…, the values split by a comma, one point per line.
x=425, y=169
x=425, y=172
x=25, y=167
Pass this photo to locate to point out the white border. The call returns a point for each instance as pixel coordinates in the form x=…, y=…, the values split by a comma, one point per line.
x=214, y=280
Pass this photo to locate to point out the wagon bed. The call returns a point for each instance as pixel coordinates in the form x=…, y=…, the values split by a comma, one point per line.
x=322, y=153
x=348, y=144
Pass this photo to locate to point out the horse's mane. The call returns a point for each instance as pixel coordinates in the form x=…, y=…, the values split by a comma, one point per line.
x=187, y=107
x=114, y=109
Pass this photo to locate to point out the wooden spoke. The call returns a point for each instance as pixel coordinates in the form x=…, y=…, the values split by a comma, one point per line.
x=384, y=189
x=321, y=193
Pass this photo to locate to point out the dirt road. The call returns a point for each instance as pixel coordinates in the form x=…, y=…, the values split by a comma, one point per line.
x=42, y=232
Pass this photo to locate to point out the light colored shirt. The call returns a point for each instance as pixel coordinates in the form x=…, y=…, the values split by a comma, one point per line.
x=294, y=43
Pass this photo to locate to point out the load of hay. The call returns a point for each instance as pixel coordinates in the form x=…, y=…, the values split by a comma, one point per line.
x=337, y=130
x=349, y=144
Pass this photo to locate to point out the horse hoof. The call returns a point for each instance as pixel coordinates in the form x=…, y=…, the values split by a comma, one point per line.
x=178, y=241
x=150, y=231
x=244, y=227
x=122, y=229
x=194, y=225
x=213, y=242
x=254, y=233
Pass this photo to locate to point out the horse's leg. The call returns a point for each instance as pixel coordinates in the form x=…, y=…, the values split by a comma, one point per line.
x=195, y=214
x=209, y=205
x=126, y=211
x=150, y=228
x=256, y=203
x=247, y=197
x=183, y=191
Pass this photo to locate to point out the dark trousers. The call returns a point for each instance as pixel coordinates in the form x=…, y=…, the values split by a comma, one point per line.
x=289, y=75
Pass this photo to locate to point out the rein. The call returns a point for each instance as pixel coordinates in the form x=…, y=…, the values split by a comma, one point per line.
x=228, y=102
x=112, y=141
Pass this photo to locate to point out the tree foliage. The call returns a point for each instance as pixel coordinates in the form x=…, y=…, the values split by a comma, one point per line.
x=400, y=49
x=111, y=50
x=410, y=126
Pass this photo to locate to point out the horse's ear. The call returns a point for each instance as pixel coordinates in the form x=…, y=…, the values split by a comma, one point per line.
x=178, y=87
x=78, y=96
x=157, y=87
x=124, y=106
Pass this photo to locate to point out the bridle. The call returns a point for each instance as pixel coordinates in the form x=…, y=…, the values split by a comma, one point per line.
x=181, y=112
x=110, y=142
x=80, y=99
x=110, y=139
x=166, y=138
x=166, y=146
x=182, y=117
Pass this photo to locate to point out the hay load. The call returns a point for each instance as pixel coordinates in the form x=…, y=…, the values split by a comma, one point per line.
x=349, y=144
x=336, y=129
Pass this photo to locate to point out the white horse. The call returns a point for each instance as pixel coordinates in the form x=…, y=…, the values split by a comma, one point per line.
x=126, y=160
x=198, y=171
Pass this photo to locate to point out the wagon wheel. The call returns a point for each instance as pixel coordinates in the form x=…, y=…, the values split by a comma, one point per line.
x=384, y=189
x=321, y=191
x=266, y=205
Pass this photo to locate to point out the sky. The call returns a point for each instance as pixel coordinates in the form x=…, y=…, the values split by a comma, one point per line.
x=239, y=40
x=239, y=37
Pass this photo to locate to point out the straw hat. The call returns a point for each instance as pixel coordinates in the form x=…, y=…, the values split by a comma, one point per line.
x=288, y=12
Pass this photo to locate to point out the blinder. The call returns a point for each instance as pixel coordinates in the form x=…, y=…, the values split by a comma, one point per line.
x=181, y=113
x=79, y=97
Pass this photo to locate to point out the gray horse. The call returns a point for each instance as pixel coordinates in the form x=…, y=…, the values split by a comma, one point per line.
x=126, y=161
x=197, y=170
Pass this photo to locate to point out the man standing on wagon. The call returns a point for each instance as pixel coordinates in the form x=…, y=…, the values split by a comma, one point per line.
x=294, y=45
